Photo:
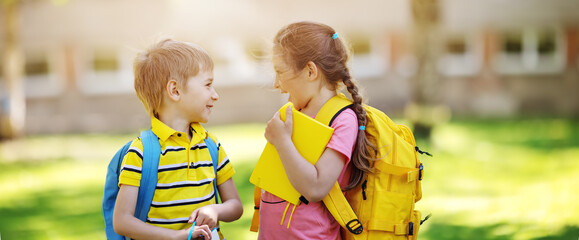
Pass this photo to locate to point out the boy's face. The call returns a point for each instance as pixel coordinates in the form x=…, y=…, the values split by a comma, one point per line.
x=198, y=98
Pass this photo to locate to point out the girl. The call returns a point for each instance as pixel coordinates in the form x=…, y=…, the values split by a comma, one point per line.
x=310, y=64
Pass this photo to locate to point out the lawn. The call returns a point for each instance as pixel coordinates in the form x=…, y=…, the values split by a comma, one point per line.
x=487, y=180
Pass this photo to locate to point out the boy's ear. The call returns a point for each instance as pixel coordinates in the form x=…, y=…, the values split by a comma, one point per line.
x=313, y=70
x=173, y=90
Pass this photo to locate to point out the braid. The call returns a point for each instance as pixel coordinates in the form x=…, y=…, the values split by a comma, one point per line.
x=364, y=150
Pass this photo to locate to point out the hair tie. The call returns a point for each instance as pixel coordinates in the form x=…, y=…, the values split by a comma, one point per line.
x=362, y=128
x=335, y=36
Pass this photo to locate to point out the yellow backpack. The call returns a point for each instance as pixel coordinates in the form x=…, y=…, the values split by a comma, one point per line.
x=383, y=206
x=384, y=203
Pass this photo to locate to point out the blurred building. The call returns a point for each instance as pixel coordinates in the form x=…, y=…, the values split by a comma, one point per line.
x=498, y=58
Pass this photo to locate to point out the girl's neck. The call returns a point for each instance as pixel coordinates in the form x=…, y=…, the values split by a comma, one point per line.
x=316, y=103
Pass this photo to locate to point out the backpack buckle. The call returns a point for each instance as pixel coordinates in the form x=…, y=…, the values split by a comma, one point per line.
x=354, y=223
x=420, y=170
x=410, y=228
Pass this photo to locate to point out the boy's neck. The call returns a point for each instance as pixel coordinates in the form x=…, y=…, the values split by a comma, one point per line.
x=177, y=123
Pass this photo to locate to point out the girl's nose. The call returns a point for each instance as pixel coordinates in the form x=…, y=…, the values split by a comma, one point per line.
x=215, y=95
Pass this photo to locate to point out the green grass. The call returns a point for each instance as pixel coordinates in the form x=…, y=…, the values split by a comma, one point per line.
x=487, y=180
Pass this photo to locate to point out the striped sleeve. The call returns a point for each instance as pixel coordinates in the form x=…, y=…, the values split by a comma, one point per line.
x=132, y=165
x=224, y=168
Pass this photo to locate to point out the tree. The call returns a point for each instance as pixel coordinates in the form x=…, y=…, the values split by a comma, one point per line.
x=425, y=83
x=13, y=105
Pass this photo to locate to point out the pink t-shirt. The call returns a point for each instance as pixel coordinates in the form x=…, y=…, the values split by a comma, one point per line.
x=313, y=220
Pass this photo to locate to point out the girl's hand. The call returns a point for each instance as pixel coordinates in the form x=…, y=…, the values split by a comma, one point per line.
x=200, y=232
x=278, y=131
x=205, y=215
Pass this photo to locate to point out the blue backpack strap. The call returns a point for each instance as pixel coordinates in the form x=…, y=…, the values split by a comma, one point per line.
x=111, y=190
x=151, y=155
x=214, y=151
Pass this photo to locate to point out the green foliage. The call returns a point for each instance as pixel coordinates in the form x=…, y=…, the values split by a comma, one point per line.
x=487, y=180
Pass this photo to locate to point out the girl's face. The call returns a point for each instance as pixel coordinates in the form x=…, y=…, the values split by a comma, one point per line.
x=290, y=81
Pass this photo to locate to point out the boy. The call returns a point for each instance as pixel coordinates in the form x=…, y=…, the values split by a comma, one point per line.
x=174, y=81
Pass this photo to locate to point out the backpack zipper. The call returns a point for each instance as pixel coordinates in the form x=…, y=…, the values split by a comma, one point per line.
x=364, y=189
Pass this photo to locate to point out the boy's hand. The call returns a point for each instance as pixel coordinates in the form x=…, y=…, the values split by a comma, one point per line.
x=277, y=130
x=200, y=232
x=206, y=215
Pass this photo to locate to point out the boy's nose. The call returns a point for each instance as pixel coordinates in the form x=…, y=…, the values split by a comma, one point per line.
x=276, y=84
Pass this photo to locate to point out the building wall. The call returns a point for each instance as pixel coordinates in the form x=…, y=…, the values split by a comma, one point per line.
x=499, y=59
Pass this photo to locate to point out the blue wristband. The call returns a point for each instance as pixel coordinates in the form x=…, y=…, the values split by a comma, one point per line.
x=191, y=231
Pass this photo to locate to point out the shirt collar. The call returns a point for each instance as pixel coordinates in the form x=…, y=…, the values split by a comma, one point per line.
x=164, y=132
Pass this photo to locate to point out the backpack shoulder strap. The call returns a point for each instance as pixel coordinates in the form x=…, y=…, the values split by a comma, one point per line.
x=335, y=201
x=151, y=155
x=111, y=190
x=214, y=151
x=257, y=204
x=333, y=108
x=340, y=208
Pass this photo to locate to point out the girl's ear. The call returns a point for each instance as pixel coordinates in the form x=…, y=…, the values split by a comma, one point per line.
x=173, y=90
x=313, y=70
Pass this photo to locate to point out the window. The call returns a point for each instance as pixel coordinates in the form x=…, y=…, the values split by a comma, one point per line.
x=368, y=59
x=360, y=46
x=40, y=75
x=512, y=44
x=456, y=46
x=105, y=61
x=531, y=51
x=461, y=55
x=105, y=70
x=36, y=65
x=547, y=43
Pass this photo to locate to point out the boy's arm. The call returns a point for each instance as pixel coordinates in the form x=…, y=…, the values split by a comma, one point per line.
x=229, y=210
x=126, y=224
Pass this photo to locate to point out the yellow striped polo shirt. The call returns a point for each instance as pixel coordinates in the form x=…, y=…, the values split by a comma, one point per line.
x=185, y=174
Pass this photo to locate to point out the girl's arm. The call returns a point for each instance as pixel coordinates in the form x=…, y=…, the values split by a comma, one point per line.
x=229, y=210
x=312, y=181
x=126, y=224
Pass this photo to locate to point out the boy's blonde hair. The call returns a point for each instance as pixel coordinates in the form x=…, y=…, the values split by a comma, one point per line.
x=165, y=60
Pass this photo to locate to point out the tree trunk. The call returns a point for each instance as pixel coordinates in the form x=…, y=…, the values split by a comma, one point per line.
x=13, y=102
x=425, y=84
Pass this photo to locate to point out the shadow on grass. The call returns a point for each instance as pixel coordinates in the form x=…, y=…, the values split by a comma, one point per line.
x=569, y=232
x=65, y=212
x=451, y=232
x=543, y=134
x=54, y=214
x=440, y=231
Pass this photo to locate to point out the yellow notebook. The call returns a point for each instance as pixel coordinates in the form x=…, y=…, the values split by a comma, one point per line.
x=310, y=138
